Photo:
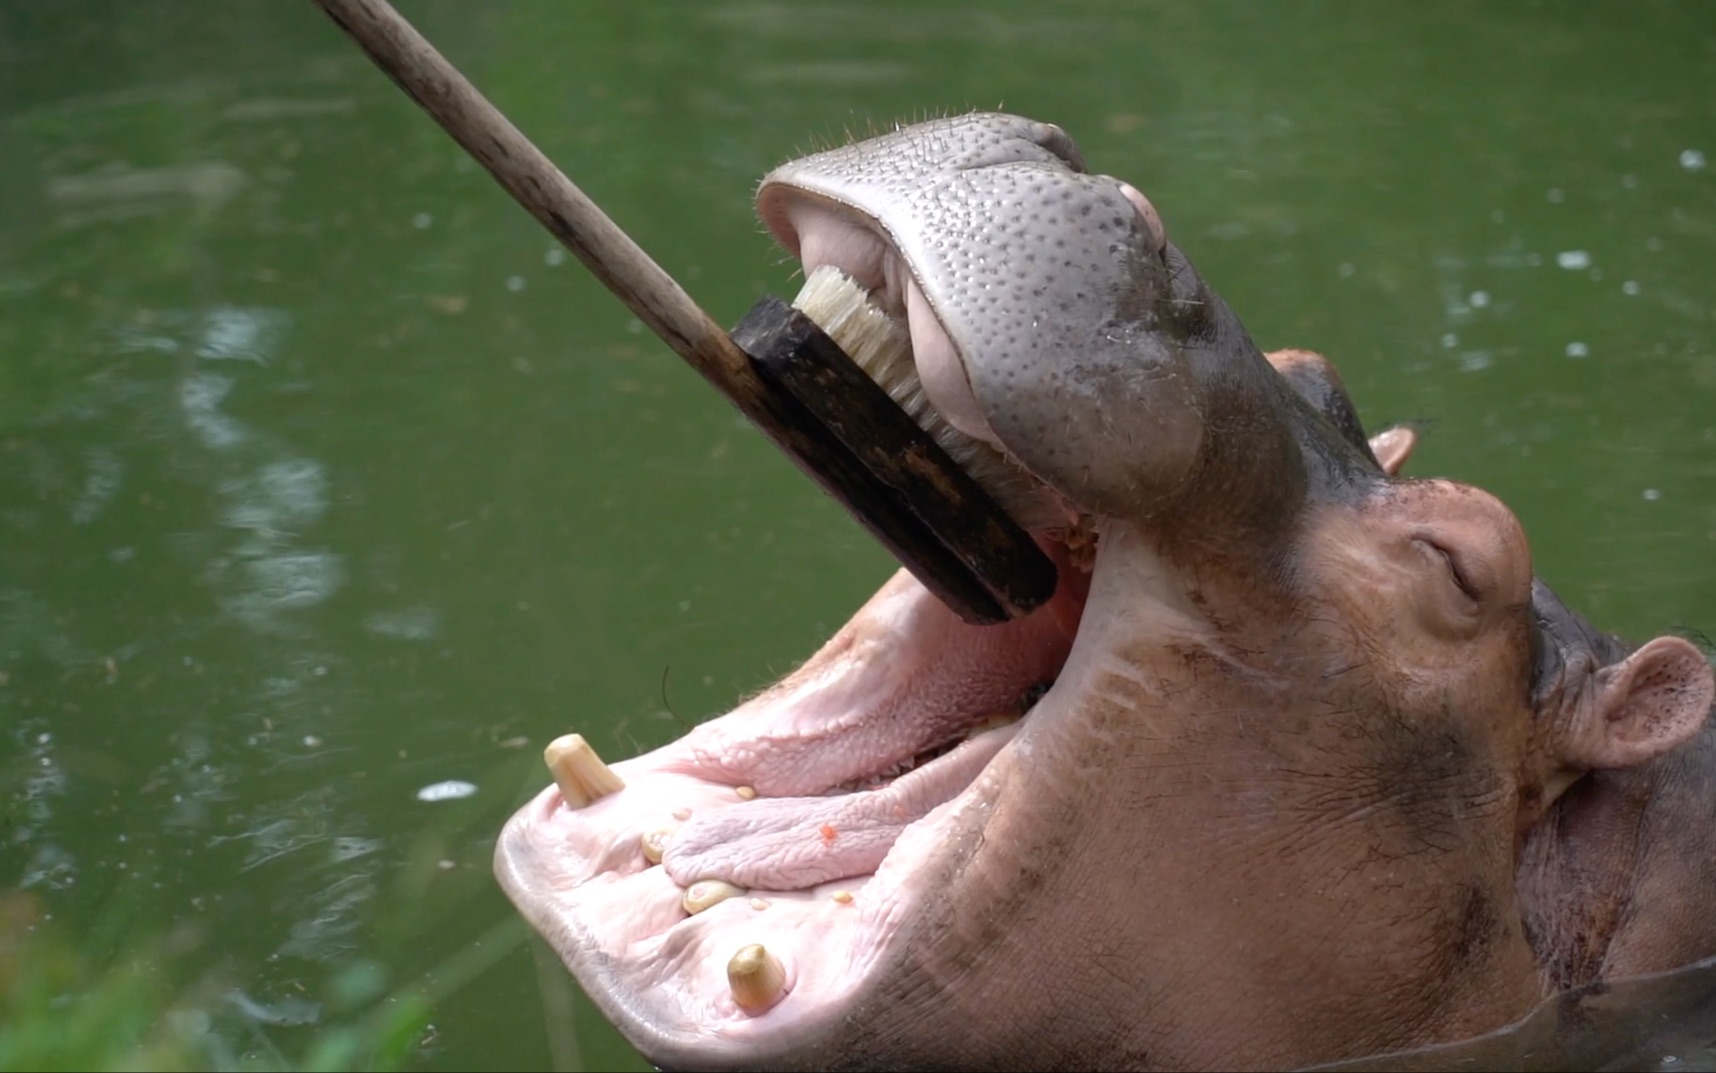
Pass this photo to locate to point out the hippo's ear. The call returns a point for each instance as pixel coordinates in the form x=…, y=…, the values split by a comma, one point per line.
x=1392, y=447
x=1652, y=701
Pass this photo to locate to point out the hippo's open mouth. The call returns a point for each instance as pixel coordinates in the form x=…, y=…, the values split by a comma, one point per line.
x=805, y=820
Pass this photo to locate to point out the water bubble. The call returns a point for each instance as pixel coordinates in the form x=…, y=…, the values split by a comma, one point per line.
x=408, y=624
x=350, y=848
x=1631, y=286
x=1450, y=340
x=555, y=256
x=1629, y=182
x=1578, y=350
x=1652, y=494
x=515, y=283
x=1556, y=195
x=1346, y=269
x=1692, y=159
x=422, y=221
x=1479, y=299
x=1573, y=259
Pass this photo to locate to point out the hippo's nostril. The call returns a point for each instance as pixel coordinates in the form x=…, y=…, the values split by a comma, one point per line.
x=1058, y=142
x=1157, y=235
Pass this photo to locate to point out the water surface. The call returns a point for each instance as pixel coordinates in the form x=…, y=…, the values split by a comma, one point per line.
x=330, y=488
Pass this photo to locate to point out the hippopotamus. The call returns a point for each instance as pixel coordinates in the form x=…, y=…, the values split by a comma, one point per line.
x=1301, y=762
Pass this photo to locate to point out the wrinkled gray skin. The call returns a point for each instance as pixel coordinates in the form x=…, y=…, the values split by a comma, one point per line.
x=1326, y=773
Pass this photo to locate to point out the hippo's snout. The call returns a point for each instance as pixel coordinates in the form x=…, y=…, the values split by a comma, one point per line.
x=1032, y=328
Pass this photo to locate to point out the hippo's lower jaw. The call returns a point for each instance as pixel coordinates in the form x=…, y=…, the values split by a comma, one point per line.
x=824, y=803
x=812, y=819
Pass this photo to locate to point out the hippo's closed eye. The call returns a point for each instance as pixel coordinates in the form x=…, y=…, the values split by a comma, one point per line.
x=1450, y=558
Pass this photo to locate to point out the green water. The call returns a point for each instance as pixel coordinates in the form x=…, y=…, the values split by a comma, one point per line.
x=325, y=478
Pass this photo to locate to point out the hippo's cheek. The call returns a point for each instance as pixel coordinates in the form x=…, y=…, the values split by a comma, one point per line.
x=1113, y=437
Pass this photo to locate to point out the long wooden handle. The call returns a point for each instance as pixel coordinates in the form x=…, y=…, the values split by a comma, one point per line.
x=533, y=180
x=902, y=487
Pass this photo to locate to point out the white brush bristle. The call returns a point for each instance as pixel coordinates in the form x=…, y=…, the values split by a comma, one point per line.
x=882, y=347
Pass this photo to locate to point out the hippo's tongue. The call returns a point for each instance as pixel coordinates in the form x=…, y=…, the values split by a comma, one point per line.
x=794, y=843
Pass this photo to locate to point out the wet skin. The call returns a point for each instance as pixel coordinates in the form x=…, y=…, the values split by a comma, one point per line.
x=1311, y=765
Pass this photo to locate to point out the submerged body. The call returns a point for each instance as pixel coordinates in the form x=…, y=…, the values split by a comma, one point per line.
x=1300, y=764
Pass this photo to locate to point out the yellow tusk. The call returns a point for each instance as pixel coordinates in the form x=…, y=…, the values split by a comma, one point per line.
x=757, y=977
x=579, y=772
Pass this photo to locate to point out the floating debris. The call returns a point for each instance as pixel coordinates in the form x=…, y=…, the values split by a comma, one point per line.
x=448, y=790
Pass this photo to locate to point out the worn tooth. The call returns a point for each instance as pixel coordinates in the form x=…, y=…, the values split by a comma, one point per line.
x=655, y=843
x=579, y=772
x=707, y=893
x=993, y=722
x=757, y=977
x=746, y=793
x=682, y=814
x=844, y=897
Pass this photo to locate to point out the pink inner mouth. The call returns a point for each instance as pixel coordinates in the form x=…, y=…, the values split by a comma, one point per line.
x=858, y=762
